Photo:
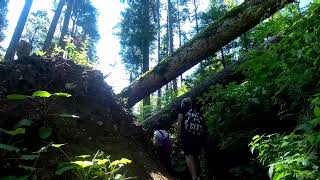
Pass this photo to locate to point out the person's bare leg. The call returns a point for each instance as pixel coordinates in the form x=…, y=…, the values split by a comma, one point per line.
x=192, y=165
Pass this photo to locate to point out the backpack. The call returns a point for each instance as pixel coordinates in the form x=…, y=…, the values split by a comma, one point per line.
x=193, y=123
x=165, y=142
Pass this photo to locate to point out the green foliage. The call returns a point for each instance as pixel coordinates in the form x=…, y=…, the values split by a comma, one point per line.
x=43, y=94
x=7, y=147
x=279, y=80
x=39, y=53
x=95, y=166
x=136, y=33
x=3, y=18
x=36, y=28
x=294, y=155
x=13, y=154
x=14, y=132
x=85, y=16
x=44, y=133
x=16, y=97
x=24, y=122
x=78, y=54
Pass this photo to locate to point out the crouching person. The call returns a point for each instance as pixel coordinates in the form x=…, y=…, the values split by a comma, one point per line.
x=163, y=144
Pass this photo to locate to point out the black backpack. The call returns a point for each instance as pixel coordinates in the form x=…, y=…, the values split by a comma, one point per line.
x=193, y=123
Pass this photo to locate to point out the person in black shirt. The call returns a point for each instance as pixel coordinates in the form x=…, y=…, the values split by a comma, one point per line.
x=191, y=131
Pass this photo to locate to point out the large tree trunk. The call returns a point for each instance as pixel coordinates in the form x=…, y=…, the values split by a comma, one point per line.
x=179, y=34
x=65, y=26
x=170, y=43
x=212, y=39
x=9, y=56
x=167, y=116
x=53, y=26
x=196, y=14
x=159, y=46
x=146, y=44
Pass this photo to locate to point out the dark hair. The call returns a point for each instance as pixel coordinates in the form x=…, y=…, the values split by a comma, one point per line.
x=186, y=102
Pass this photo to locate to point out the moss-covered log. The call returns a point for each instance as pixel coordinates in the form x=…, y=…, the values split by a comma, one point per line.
x=233, y=24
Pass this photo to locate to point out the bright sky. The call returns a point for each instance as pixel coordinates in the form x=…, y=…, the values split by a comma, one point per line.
x=108, y=47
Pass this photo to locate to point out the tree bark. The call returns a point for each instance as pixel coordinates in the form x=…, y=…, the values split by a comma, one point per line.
x=209, y=41
x=9, y=56
x=170, y=43
x=53, y=26
x=146, y=44
x=180, y=39
x=196, y=15
x=65, y=26
x=159, y=46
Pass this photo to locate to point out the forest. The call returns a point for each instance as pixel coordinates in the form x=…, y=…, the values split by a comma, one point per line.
x=249, y=68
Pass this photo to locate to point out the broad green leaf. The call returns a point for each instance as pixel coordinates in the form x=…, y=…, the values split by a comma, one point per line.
x=65, y=115
x=62, y=94
x=57, y=145
x=255, y=137
x=24, y=122
x=101, y=161
x=83, y=164
x=44, y=133
x=14, y=132
x=84, y=156
x=63, y=169
x=29, y=157
x=17, y=97
x=28, y=168
x=43, y=94
x=9, y=148
x=121, y=161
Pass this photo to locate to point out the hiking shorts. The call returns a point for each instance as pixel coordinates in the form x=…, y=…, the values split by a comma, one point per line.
x=192, y=145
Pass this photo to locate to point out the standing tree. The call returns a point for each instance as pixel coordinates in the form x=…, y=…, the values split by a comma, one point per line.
x=18, y=31
x=196, y=6
x=65, y=26
x=36, y=28
x=53, y=26
x=84, y=26
x=136, y=32
x=3, y=18
x=170, y=34
x=158, y=16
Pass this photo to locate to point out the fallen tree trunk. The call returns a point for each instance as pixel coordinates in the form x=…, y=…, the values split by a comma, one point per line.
x=167, y=116
x=235, y=23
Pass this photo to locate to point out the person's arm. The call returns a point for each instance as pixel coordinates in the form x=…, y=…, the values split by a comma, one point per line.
x=180, y=118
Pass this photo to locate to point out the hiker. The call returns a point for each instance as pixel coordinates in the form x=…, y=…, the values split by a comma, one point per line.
x=191, y=130
x=162, y=141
